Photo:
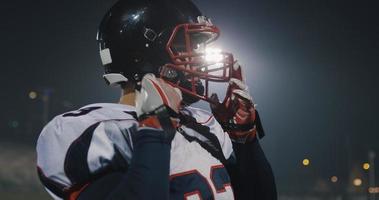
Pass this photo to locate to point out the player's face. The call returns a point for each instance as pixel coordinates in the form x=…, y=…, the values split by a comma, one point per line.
x=187, y=82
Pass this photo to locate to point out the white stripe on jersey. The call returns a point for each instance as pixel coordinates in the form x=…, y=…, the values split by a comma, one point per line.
x=101, y=149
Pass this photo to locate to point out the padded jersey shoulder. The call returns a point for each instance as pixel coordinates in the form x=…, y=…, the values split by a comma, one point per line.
x=87, y=116
x=107, y=122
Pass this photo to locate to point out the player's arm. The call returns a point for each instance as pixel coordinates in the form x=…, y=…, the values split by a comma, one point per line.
x=148, y=174
x=250, y=172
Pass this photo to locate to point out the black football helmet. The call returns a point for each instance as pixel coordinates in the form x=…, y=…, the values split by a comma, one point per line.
x=164, y=37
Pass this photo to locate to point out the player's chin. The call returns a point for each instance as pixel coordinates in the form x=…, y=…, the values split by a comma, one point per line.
x=189, y=99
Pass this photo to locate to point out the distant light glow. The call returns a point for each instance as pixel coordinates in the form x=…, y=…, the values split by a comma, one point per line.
x=33, y=95
x=357, y=182
x=213, y=54
x=366, y=166
x=14, y=124
x=334, y=179
x=306, y=162
x=373, y=190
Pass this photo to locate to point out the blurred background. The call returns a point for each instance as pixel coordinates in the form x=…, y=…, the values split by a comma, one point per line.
x=312, y=67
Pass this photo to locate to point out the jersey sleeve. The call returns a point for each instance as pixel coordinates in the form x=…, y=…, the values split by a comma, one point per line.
x=72, y=150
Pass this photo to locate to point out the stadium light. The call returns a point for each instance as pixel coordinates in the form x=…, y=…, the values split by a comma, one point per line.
x=306, y=162
x=334, y=179
x=357, y=182
x=33, y=95
x=366, y=166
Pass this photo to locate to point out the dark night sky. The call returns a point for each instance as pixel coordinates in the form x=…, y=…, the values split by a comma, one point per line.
x=312, y=68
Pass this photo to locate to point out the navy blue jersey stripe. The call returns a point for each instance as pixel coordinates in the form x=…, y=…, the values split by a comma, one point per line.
x=75, y=164
x=212, y=144
x=55, y=187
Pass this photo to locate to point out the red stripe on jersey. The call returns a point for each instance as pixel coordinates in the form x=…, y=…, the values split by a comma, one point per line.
x=161, y=93
x=75, y=194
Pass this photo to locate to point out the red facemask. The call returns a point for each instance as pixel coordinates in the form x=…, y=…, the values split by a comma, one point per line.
x=186, y=48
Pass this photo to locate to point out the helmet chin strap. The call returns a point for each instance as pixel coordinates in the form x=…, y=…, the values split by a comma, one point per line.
x=115, y=79
x=189, y=99
x=178, y=79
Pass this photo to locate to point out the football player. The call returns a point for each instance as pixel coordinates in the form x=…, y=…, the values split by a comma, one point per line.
x=153, y=144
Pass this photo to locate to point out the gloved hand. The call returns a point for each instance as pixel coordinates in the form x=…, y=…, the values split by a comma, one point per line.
x=237, y=114
x=158, y=104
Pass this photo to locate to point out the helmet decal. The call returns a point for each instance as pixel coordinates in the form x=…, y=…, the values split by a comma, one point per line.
x=105, y=56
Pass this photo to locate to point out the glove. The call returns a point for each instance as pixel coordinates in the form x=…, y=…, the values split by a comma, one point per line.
x=158, y=104
x=236, y=114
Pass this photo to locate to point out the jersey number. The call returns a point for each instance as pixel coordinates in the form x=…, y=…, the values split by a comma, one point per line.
x=81, y=112
x=191, y=183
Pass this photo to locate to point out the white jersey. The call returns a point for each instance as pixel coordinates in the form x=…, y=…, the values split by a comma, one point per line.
x=76, y=147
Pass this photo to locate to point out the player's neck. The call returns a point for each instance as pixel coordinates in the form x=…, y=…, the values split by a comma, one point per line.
x=128, y=96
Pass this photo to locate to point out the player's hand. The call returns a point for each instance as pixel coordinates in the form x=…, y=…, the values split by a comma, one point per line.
x=237, y=113
x=158, y=103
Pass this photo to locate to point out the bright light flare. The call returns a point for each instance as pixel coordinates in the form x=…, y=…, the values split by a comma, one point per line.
x=213, y=55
